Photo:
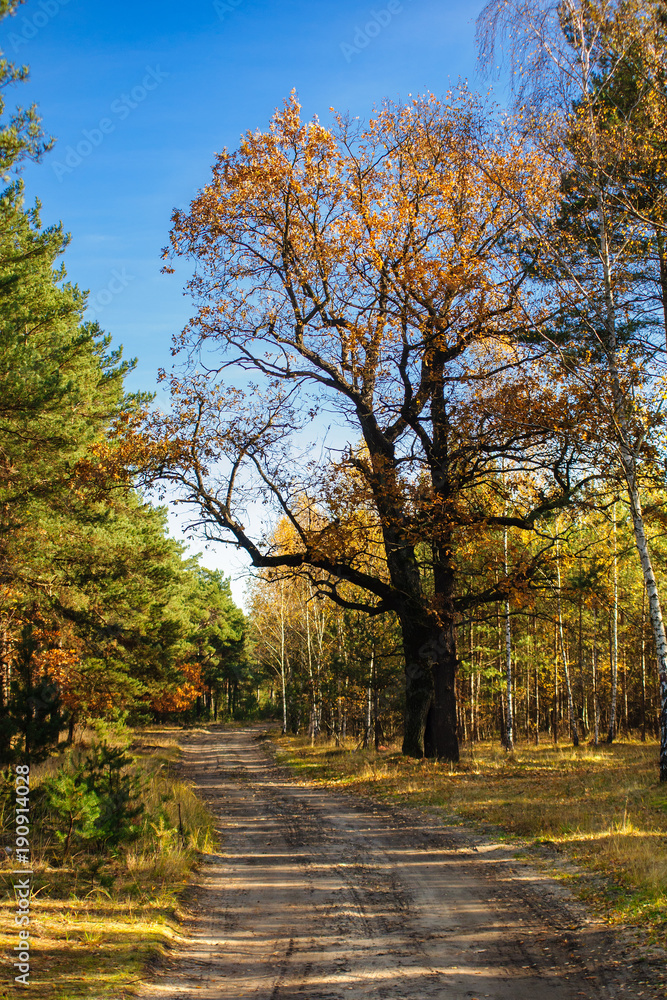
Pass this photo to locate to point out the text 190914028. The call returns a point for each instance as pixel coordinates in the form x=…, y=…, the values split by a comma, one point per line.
x=22, y=875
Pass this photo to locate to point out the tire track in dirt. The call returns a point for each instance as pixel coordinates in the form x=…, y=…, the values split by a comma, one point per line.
x=321, y=896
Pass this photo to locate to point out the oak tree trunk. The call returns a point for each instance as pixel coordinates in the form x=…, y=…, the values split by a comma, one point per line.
x=430, y=728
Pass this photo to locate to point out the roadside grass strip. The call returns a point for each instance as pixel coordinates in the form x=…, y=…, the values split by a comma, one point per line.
x=89, y=946
x=97, y=921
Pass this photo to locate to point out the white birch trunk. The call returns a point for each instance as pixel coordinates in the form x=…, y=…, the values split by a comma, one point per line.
x=575, y=60
x=369, y=704
x=655, y=616
x=509, y=736
x=644, y=665
x=563, y=653
x=629, y=465
x=282, y=660
x=614, y=644
x=594, y=666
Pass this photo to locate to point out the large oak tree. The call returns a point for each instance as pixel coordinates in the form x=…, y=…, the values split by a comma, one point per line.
x=374, y=275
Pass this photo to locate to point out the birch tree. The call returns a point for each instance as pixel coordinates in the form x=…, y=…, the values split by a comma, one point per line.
x=566, y=58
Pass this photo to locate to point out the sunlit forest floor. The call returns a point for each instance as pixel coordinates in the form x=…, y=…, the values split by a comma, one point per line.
x=96, y=921
x=596, y=817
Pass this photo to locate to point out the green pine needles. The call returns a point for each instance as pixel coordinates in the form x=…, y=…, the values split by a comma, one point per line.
x=95, y=802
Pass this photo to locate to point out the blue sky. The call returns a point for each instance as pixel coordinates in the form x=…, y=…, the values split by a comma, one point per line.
x=140, y=95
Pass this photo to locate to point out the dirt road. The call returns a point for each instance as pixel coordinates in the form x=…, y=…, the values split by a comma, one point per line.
x=317, y=896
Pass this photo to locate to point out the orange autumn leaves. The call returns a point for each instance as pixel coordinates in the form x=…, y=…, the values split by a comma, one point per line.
x=84, y=689
x=180, y=697
x=404, y=215
x=351, y=257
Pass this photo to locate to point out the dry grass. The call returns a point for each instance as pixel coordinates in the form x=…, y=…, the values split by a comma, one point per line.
x=93, y=945
x=602, y=808
x=96, y=923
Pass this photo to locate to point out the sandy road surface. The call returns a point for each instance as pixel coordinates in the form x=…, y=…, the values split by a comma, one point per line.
x=317, y=896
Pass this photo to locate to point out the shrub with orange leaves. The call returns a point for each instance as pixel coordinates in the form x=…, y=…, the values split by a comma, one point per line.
x=180, y=697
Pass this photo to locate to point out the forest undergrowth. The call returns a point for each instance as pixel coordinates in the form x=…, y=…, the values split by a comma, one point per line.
x=595, y=817
x=98, y=917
